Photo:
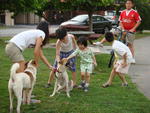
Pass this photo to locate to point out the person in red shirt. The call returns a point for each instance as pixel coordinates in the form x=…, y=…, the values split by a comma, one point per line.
x=130, y=20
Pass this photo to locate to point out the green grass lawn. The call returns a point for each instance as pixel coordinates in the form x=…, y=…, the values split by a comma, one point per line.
x=115, y=99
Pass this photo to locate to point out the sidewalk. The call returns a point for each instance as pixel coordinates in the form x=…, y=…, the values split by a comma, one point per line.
x=140, y=72
x=11, y=31
x=95, y=49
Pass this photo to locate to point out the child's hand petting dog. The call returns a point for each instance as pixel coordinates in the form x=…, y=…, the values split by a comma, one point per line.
x=51, y=68
x=65, y=59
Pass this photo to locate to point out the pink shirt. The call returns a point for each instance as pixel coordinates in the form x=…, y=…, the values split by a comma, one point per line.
x=129, y=18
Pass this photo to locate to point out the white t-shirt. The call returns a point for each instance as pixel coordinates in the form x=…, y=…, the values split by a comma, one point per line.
x=120, y=49
x=27, y=38
x=66, y=47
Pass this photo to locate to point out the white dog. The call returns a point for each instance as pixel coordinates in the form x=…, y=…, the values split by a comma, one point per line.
x=62, y=80
x=21, y=84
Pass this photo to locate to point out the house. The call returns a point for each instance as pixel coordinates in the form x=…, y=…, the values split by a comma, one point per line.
x=23, y=18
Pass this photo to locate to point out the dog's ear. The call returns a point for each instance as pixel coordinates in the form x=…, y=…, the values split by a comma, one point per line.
x=64, y=61
x=33, y=62
x=61, y=62
x=26, y=64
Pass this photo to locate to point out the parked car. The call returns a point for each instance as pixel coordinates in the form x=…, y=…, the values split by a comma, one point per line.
x=81, y=22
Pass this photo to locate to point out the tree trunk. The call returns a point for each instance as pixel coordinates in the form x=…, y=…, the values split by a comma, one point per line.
x=90, y=21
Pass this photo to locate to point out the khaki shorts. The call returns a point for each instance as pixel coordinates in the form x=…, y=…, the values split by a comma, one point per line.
x=13, y=52
x=118, y=67
x=130, y=38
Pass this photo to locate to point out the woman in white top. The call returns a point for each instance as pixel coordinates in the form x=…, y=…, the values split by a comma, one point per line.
x=35, y=38
x=65, y=45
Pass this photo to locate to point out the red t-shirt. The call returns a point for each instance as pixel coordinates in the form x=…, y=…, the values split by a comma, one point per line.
x=129, y=18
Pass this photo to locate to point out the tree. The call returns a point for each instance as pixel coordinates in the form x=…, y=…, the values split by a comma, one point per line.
x=87, y=5
x=143, y=7
x=19, y=6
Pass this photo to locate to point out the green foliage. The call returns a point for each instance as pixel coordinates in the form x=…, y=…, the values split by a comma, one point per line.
x=143, y=7
x=18, y=6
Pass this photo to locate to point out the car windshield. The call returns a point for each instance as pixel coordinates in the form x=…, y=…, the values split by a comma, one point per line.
x=80, y=18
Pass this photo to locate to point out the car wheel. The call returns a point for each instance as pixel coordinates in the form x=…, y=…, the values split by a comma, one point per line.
x=106, y=29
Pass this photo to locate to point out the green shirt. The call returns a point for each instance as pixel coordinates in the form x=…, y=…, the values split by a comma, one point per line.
x=86, y=55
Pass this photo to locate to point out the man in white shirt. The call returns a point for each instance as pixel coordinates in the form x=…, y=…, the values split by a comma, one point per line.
x=123, y=58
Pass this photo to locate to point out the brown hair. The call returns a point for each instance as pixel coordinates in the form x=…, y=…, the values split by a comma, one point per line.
x=130, y=1
x=43, y=25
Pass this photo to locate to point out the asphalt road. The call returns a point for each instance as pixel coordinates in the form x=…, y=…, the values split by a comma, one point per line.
x=140, y=72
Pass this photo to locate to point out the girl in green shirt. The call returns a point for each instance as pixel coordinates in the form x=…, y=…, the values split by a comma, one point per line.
x=86, y=63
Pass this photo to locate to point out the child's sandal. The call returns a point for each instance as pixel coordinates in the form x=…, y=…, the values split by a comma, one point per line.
x=105, y=85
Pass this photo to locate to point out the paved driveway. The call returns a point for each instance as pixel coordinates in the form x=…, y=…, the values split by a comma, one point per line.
x=140, y=72
x=11, y=31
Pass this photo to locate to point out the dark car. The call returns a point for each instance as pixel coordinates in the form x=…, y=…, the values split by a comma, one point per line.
x=81, y=22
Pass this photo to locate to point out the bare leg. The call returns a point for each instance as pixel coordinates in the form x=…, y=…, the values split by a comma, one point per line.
x=82, y=76
x=131, y=47
x=82, y=84
x=74, y=78
x=51, y=77
x=111, y=77
x=122, y=77
x=87, y=78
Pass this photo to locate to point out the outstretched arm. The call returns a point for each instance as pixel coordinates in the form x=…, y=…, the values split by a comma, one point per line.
x=94, y=59
x=58, y=43
x=71, y=56
x=44, y=59
x=37, y=50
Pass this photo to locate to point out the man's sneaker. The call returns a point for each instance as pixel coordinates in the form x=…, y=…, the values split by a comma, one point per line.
x=105, y=85
x=81, y=85
x=47, y=85
x=133, y=61
x=125, y=84
x=86, y=89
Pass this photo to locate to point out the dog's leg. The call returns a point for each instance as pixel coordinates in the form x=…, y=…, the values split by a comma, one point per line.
x=18, y=92
x=55, y=88
x=11, y=97
x=24, y=97
x=19, y=104
x=66, y=82
x=60, y=87
x=19, y=99
x=70, y=85
x=29, y=95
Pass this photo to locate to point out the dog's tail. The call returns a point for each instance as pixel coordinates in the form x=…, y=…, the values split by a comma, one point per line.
x=13, y=70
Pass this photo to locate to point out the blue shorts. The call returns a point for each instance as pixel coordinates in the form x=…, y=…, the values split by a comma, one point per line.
x=71, y=62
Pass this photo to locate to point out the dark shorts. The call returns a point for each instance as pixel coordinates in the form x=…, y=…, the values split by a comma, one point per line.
x=71, y=62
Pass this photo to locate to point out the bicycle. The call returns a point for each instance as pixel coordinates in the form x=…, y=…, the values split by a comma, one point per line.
x=121, y=36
